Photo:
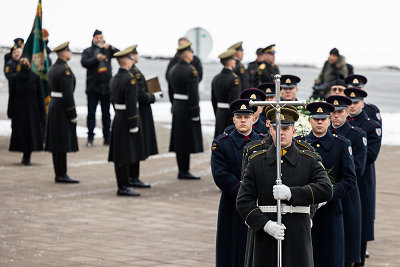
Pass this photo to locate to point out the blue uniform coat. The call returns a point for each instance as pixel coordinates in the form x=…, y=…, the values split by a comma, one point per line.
x=351, y=203
x=367, y=182
x=226, y=161
x=328, y=230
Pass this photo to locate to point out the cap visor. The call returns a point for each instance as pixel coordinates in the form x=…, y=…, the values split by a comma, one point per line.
x=340, y=108
x=320, y=116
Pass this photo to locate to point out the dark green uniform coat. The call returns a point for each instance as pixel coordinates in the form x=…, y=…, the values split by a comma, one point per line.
x=26, y=111
x=265, y=73
x=61, y=132
x=186, y=134
x=225, y=89
x=125, y=147
x=308, y=183
x=243, y=75
x=146, y=115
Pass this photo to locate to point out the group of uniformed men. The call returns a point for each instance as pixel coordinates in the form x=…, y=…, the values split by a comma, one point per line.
x=328, y=176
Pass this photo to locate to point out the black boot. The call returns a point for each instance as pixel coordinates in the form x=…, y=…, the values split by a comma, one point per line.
x=66, y=179
x=121, y=173
x=135, y=182
x=187, y=176
x=126, y=192
x=26, y=159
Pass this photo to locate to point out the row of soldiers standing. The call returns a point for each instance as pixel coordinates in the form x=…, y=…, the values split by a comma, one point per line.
x=346, y=146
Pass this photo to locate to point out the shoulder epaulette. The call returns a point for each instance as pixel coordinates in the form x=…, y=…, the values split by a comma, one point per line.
x=234, y=75
x=256, y=144
x=256, y=153
x=356, y=129
x=221, y=136
x=304, y=145
x=341, y=138
x=308, y=153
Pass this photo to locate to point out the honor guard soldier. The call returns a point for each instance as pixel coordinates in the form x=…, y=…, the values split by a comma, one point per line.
x=351, y=203
x=62, y=118
x=256, y=95
x=304, y=182
x=289, y=87
x=225, y=88
x=127, y=143
x=367, y=182
x=18, y=42
x=267, y=69
x=226, y=158
x=145, y=99
x=252, y=66
x=239, y=68
x=186, y=136
x=360, y=81
x=10, y=66
x=269, y=89
x=336, y=153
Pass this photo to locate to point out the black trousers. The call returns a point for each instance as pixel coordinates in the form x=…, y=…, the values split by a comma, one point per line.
x=183, y=161
x=134, y=170
x=27, y=155
x=60, y=164
x=122, y=174
x=93, y=100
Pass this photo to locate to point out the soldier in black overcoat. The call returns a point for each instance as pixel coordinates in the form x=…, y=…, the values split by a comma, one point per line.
x=351, y=203
x=256, y=95
x=252, y=66
x=186, y=136
x=127, y=142
x=225, y=88
x=359, y=81
x=267, y=69
x=26, y=111
x=62, y=118
x=18, y=42
x=269, y=89
x=145, y=99
x=10, y=66
x=305, y=182
x=367, y=182
x=226, y=158
x=336, y=153
x=239, y=68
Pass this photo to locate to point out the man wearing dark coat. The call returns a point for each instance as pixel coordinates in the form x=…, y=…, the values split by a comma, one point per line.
x=10, y=67
x=225, y=88
x=351, y=203
x=226, y=158
x=97, y=60
x=336, y=153
x=18, y=42
x=145, y=99
x=253, y=66
x=367, y=182
x=62, y=118
x=195, y=62
x=127, y=142
x=267, y=69
x=305, y=182
x=239, y=68
x=26, y=111
x=186, y=136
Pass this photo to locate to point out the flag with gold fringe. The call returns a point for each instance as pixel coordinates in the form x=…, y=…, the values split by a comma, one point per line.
x=35, y=48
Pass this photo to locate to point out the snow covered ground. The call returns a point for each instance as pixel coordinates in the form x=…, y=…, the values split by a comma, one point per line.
x=162, y=114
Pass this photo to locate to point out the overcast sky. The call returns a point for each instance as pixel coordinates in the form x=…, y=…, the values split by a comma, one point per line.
x=365, y=31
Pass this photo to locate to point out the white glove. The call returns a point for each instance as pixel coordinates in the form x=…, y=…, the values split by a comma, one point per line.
x=275, y=230
x=196, y=119
x=311, y=223
x=74, y=120
x=158, y=95
x=321, y=204
x=281, y=192
x=134, y=130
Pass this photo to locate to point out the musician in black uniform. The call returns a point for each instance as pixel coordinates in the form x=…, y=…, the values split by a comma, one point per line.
x=267, y=69
x=304, y=183
x=145, y=99
x=126, y=144
x=289, y=87
x=10, y=67
x=18, y=42
x=225, y=88
x=252, y=66
x=62, y=118
x=360, y=81
x=186, y=136
x=239, y=68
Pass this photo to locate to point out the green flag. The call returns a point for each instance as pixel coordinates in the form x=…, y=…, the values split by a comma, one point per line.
x=35, y=48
